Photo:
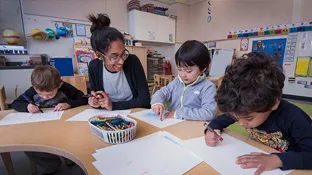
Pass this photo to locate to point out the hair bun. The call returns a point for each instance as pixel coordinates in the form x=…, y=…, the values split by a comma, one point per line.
x=102, y=20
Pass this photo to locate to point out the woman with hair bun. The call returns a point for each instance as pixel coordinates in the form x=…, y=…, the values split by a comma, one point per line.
x=117, y=79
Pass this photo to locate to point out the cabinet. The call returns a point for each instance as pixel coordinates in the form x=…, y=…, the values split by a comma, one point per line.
x=140, y=52
x=151, y=27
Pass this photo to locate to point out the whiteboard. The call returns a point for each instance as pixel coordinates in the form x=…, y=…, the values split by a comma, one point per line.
x=220, y=60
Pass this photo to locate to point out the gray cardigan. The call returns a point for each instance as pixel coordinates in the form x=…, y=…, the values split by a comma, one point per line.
x=192, y=102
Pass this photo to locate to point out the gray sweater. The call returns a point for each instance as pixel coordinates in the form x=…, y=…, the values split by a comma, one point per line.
x=192, y=102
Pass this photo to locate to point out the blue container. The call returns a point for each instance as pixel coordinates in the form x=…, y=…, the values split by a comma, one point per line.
x=293, y=30
x=301, y=29
x=241, y=35
x=267, y=32
x=64, y=66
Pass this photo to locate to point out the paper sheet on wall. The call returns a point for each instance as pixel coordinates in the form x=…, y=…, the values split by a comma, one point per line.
x=290, y=47
x=158, y=153
x=220, y=60
x=88, y=113
x=303, y=41
x=23, y=117
x=302, y=66
x=150, y=117
x=225, y=154
x=310, y=69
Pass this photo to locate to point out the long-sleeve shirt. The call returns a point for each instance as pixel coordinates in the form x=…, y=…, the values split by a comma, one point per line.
x=288, y=129
x=190, y=102
x=136, y=79
x=66, y=94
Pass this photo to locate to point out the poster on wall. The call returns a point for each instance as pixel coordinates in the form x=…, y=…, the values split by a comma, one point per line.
x=274, y=47
x=82, y=41
x=291, y=47
x=244, y=44
x=83, y=55
x=310, y=69
x=302, y=66
x=212, y=44
x=303, y=41
x=80, y=29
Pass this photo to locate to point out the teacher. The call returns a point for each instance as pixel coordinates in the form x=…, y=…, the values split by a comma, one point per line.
x=117, y=79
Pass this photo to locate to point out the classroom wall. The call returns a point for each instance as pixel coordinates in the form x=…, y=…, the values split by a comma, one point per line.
x=183, y=26
x=307, y=12
x=229, y=15
x=78, y=10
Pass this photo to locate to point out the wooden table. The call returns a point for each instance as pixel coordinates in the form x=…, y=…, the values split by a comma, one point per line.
x=75, y=141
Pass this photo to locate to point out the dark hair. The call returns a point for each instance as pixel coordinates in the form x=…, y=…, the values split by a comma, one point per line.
x=102, y=34
x=45, y=78
x=192, y=53
x=252, y=84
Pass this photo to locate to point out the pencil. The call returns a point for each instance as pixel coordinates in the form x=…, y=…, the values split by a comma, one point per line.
x=213, y=131
x=31, y=102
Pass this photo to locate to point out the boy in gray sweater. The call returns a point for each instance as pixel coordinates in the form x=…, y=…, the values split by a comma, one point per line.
x=192, y=95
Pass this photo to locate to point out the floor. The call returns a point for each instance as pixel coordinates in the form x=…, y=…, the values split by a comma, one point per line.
x=22, y=167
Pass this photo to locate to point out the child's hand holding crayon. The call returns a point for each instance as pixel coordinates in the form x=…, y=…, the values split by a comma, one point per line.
x=32, y=108
x=213, y=137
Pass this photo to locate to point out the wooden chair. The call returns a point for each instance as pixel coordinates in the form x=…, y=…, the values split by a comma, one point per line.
x=6, y=157
x=165, y=79
x=3, y=105
x=4, y=102
x=156, y=83
x=10, y=101
x=78, y=81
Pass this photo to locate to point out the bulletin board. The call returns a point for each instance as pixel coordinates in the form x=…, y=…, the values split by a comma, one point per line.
x=298, y=69
x=274, y=47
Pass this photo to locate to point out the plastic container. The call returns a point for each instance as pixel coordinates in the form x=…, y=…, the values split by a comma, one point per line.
x=114, y=137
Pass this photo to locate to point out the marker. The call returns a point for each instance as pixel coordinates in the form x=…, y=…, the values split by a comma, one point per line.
x=213, y=131
x=96, y=95
x=31, y=102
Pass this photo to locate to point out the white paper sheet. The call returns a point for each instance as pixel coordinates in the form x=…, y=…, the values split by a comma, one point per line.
x=158, y=153
x=22, y=117
x=88, y=113
x=222, y=157
x=150, y=117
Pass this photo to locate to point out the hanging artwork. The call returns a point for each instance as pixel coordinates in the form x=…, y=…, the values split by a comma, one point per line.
x=209, y=18
x=83, y=54
x=290, y=47
x=274, y=47
x=244, y=44
x=302, y=66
